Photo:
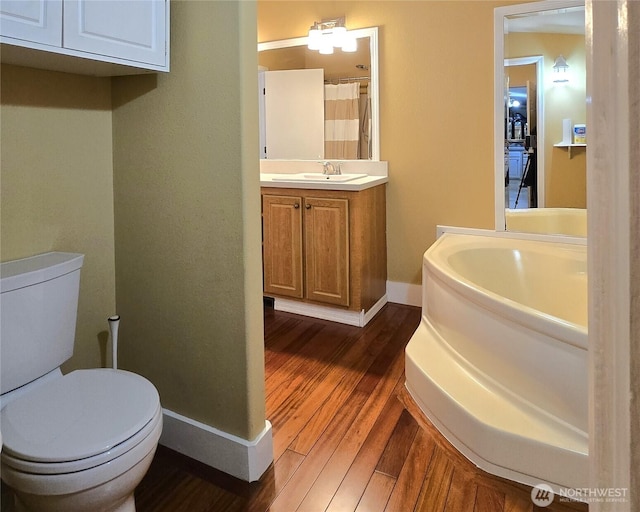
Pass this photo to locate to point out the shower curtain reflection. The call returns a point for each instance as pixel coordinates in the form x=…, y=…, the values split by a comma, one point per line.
x=342, y=121
x=365, y=123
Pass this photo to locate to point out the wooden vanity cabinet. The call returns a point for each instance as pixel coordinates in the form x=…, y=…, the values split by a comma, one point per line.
x=325, y=246
x=282, y=245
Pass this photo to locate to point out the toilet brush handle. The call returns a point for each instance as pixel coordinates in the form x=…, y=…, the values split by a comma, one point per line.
x=114, y=323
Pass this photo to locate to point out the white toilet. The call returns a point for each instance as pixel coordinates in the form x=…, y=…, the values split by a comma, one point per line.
x=78, y=442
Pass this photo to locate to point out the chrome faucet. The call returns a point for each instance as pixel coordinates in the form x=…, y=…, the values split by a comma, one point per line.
x=329, y=168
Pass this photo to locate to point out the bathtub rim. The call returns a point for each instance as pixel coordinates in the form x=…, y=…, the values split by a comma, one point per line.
x=576, y=216
x=531, y=318
x=441, y=229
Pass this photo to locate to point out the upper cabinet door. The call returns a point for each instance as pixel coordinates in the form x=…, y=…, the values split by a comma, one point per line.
x=32, y=20
x=127, y=29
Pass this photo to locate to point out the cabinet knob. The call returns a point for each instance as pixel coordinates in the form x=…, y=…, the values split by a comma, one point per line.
x=307, y=206
x=296, y=206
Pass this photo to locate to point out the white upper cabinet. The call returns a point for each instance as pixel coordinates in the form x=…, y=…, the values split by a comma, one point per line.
x=39, y=21
x=128, y=29
x=128, y=36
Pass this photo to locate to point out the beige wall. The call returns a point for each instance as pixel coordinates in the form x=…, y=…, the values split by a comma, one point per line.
x=565, y=178
x=57, y=186
x=187, y=220
x=436, y=111
x=520, y=75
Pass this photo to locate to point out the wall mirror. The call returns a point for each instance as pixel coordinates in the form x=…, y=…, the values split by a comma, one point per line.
x=539, y=167
x=338, y=68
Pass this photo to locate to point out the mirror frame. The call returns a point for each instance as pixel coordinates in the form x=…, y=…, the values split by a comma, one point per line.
x=499, y=14
x=374, y=84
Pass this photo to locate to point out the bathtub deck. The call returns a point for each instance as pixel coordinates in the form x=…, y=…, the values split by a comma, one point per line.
x=494, y=427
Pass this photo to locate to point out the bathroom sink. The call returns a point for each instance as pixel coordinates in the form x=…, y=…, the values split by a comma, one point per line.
x=318, y=177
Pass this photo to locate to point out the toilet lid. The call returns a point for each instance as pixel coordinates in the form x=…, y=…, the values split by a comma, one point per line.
x=82, y=414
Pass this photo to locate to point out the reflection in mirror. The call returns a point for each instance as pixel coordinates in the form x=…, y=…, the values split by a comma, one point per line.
x=295, y=110
x=538, y=165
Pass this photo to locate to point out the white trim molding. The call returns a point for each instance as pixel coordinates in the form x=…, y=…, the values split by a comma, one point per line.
x=613, y=181
x=246, y=460
x=343, y=316
x=404, y=293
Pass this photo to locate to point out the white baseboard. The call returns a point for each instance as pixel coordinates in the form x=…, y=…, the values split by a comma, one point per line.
x=404, y=293
x=397, y=292
x=356, y=318
x=246, y=460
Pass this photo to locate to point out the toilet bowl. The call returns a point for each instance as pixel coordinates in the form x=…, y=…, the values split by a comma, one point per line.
x=81, y=443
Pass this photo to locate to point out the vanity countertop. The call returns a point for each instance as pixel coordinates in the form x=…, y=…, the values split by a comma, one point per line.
x=267, y=180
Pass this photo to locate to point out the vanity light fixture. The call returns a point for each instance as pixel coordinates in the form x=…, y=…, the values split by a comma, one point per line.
x=560, y=70
x=326, y=35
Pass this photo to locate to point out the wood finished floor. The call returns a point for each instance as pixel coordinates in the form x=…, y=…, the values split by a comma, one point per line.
x=347, y=437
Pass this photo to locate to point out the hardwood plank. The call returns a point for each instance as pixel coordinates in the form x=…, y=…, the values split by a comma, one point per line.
x=488, y=500
x=523, y=492
x=462, y=492
x=354, y=483
x=305, y=424
x=290, y=337
x=330, y=477
x=435, y=490
x=395, y=453
x=377, y=493
x=379, y=352
x=517, y=504
x=371, y=393
x=272, y=483
x=309, y=357
x=407, y=489
x=300, y=483
x=174, y=488
x=299, y=378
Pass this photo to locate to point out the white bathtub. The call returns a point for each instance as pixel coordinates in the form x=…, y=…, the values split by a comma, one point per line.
x=563, y=221
x=499, y=361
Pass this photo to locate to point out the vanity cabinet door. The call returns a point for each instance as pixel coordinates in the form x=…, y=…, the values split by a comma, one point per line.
x=282, y=245
x=326, y=230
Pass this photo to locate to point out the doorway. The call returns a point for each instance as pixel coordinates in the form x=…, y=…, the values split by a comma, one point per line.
x=524, y=132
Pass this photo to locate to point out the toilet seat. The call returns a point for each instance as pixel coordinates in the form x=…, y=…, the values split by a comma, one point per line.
x=79, y=421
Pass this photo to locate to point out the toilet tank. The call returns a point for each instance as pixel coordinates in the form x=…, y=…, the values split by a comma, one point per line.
x=38, y=305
